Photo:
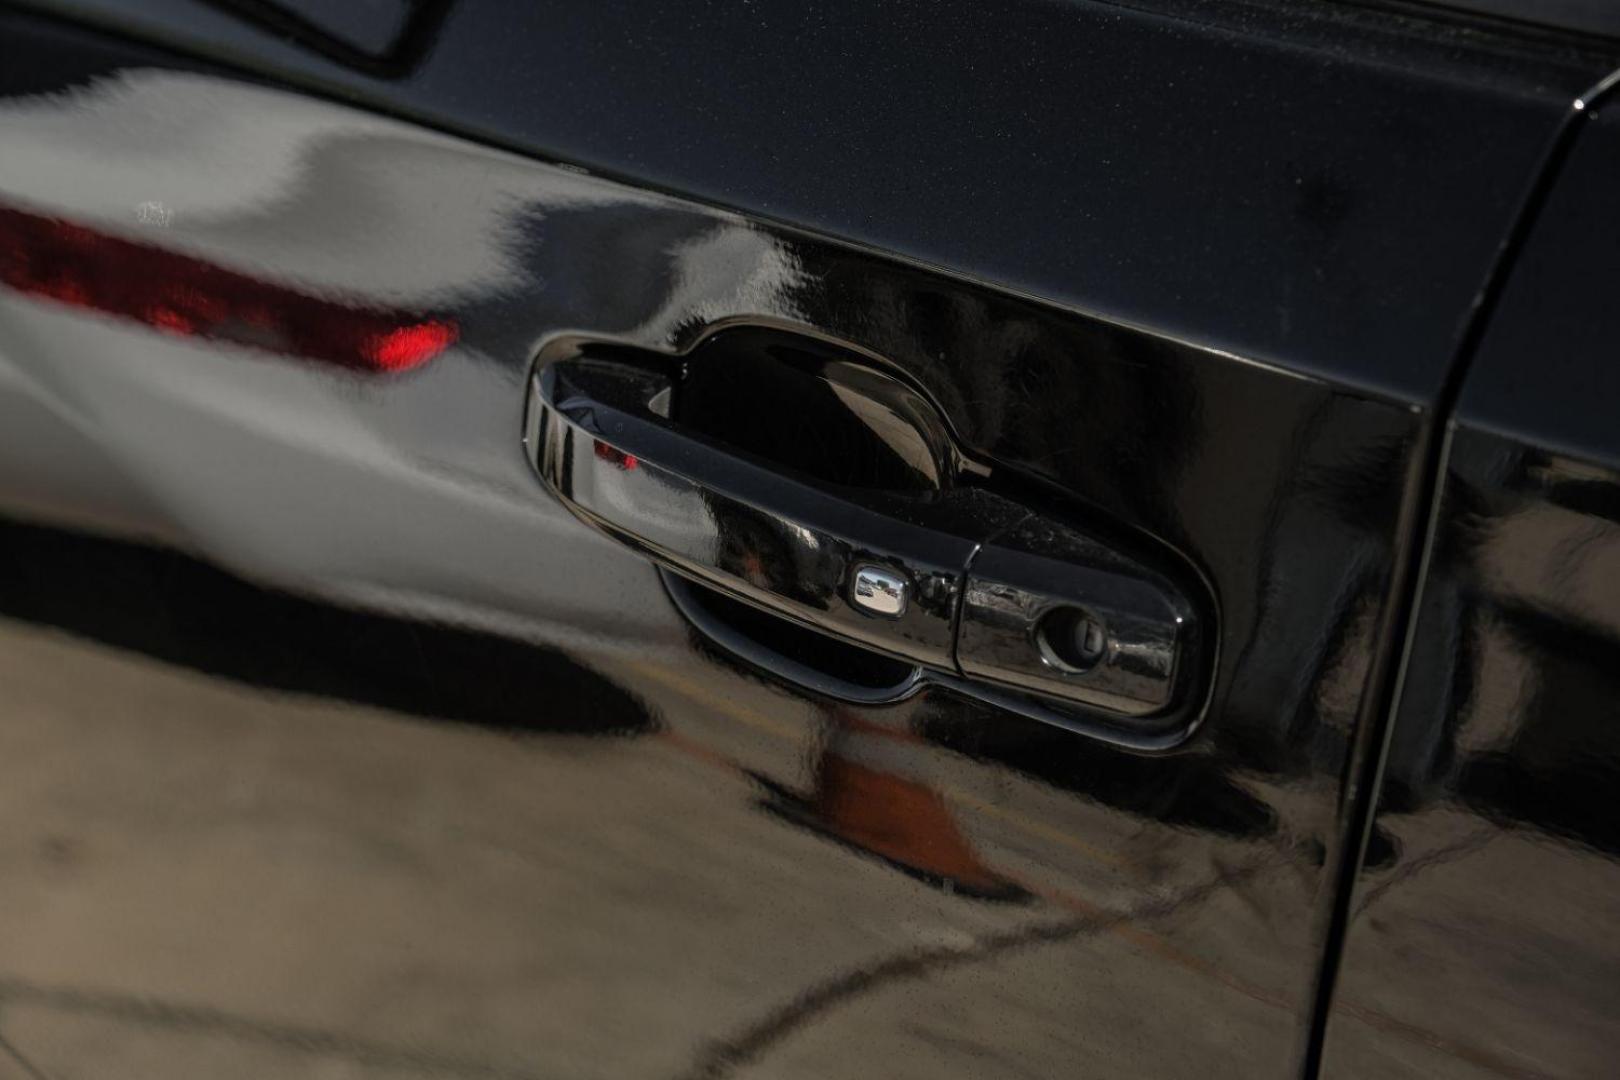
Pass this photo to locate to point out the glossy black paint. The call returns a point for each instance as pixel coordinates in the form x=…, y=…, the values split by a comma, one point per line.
x=1266, y=179
x=1486, y=914
x=243, y=843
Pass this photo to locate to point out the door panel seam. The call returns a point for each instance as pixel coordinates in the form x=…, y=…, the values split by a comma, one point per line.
x=1416, y=532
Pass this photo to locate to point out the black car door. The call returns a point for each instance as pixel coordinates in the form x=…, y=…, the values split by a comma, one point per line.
x=692, y=540
x=1484, y=912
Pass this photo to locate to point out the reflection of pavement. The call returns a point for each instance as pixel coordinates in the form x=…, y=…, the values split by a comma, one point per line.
x=202, y=879
x=1522, y=1006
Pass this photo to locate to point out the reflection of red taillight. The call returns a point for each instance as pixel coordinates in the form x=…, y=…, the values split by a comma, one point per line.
x=614, y=456
x=190, y=297
x=408, y=346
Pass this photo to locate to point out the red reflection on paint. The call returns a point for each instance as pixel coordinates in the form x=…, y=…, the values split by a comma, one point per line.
x=613, y=455
x=408, y=346
x=190, y=297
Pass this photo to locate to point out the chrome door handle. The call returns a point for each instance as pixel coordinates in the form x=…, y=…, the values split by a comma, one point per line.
x=602, y=442
x=962, y=581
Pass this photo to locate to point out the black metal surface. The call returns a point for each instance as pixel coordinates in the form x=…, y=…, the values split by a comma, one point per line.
x=1485, y=912
x=241, y=831
x=1579, y=16
x=1263, y=179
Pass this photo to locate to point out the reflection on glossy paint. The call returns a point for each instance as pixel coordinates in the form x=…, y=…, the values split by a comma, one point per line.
x=178, y=611
x=1485, y=911
x=1488, y=910
x=311, y=759
x=872, y=794
x=77, y=266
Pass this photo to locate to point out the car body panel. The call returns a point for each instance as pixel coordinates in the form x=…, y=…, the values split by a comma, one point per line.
x=337, y=742
x=1488, y=915
x=1264, y=179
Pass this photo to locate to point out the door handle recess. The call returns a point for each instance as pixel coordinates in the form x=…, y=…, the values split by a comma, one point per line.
x=962, y=582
